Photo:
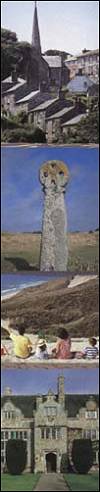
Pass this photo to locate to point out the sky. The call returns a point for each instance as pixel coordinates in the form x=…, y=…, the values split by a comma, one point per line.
x=22, y=199
x=65, y=25
x=33, y=381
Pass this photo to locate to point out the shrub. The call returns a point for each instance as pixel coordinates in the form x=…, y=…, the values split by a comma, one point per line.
x=23, y=135
x=82, y=455
x=16, y=456
x=64, y=463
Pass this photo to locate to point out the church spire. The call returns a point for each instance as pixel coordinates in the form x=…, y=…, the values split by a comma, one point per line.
x=35, y=32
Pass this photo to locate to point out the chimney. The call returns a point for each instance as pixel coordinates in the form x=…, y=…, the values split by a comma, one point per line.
x=14, y=75
x=61, y=395
x=38, y=401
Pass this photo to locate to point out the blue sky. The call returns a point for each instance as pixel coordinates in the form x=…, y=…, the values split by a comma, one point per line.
x=22, y=195
x=66, y=25
x=33, y=381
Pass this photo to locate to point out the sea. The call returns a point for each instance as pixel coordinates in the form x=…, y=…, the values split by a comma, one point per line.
x=12, y=283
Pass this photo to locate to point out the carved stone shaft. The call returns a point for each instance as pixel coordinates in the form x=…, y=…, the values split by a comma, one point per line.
x=54, y=176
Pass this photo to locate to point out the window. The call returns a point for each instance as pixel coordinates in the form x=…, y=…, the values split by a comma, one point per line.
x=21, y=435
x=2, y=435
x=58, y=433
x=42, y=433
x=93, y=434
x=90, y=434
x=16, y=434
x=53, y=433
x=25, y=435
x=91, y=414
x=50, y=411
x=2, y=444
x=8, y=415
x=47, y=433
x=12, y=434
x=6, y=434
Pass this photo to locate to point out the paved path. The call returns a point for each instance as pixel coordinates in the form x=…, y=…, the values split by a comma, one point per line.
x=51, y=481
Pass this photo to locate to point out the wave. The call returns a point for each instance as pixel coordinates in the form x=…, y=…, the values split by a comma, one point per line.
x=6, y=293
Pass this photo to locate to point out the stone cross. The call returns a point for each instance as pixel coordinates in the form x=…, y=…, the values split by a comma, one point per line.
x=54, y=176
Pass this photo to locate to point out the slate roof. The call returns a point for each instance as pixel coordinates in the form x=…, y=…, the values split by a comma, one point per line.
x=82, y=55
x=60, y=113
x=89, y=52
x=19, y=83
x=7, y=80
x=53, y=61
x=75, y=120
x=80, y=83
x=45, y=104
x=27, y=403
x=29, y=96
x=7, y=84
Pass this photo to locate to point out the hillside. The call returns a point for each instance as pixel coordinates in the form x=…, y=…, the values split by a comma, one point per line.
x=44, y=308
x=21, y=251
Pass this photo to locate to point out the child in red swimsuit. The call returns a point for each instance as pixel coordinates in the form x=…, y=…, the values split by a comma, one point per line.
x=63, y=346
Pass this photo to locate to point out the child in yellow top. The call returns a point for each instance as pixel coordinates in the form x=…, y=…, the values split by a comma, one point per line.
x=22, y=344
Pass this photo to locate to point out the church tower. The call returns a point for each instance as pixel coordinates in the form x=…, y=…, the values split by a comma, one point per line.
x=35, y=32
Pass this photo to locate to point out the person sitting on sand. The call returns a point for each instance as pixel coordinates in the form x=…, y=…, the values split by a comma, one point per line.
x=22, y=344
x=91, y=351
x=41, y=350
x=63, y=346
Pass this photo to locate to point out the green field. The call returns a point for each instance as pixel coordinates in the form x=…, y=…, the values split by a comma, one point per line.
x=16, y=483
x=21, y=252
x=83, y=482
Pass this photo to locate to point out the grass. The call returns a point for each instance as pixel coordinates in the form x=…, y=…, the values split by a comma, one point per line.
x=83, y=482
x=23, y=482
x=22, y=252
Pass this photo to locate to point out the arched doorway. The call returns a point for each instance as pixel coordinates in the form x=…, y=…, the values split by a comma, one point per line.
x=51, y=462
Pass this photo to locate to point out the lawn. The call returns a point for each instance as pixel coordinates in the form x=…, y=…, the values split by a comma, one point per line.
x=83, y=482
x=15, y=482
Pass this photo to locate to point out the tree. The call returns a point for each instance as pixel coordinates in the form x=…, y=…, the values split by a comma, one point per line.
x=86, y=131
x=16, y=456
x=14, y=54
x=82, y=455
x=64, y=463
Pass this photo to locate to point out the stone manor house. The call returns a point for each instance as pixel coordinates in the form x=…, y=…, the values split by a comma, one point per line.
x=49, y=424
x=42, y=95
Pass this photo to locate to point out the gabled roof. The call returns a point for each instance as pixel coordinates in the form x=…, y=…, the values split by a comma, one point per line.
x=28, y=97
x=27, y=403
x=82, y=55
x=60, y=113
x=7, y=80
x=53, y=61
x=80, y=83
x=75, y=120
x=19, y=83
x=45, y=104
